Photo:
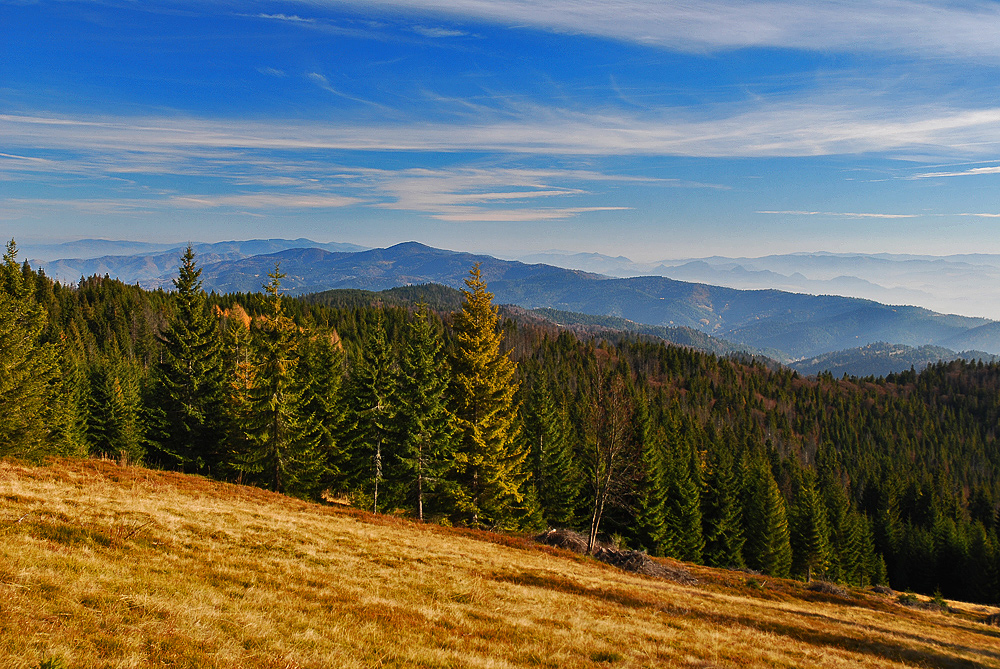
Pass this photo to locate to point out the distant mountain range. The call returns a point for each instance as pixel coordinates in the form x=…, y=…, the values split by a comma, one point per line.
x=878, y=359
x=787, y=326
x=881, y=359
x=940, y=283
x=150, y=265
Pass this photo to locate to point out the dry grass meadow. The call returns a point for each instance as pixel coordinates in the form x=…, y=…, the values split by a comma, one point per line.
x=103, y=565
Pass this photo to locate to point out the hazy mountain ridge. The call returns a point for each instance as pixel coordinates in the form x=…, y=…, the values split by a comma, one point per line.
x=939, y=283
x=881, y=359
x=152, y=265
x=788, y=326
x=878, y=359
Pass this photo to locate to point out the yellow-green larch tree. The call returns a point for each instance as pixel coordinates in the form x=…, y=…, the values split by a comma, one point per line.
x=489, y=467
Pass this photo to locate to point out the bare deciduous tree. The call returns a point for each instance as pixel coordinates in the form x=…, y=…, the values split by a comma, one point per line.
x=612, y=438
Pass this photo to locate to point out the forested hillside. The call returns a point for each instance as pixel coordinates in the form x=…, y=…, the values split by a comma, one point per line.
x=444, y=412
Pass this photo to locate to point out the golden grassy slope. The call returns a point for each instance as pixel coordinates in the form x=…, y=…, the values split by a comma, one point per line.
x=110, y=566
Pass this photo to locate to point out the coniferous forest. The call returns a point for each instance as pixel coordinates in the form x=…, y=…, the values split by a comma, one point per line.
x=439, y=408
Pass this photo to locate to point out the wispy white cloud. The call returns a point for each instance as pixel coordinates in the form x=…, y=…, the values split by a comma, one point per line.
x=302, y=164
x=263, y=201
x=324, y=83
x=781, y=129
x=436, y=32
x=848, y=214
x=519, y=215
x=469, y=194
x=286, y=17
x=839, y=214
x=274, y=72
x=975, y=171
x=923, y=28
x=235, y=201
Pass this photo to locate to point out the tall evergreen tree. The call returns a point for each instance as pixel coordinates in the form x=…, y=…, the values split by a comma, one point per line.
x=321, y=368
x=810, y=534
x=426, y=427
x=189, y=386
x=767, y=547
x=650, y=527
x=555, y=475
x=683, y=521
x=722, y=520
x=372, y=435
x=490, y=466
x=70, y=404
x=116, y=424
x=28, y=368
x=282, y=447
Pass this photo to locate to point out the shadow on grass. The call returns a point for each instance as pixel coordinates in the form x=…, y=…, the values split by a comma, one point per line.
x=907, y=649
x=902, y=651
x=568, y=586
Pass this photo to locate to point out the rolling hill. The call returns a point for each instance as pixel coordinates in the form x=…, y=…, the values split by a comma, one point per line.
x=109, y=565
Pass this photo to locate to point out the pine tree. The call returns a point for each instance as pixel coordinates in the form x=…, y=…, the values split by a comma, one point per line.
x=29, y=369
x=425, y=426
x=810, y=534
x=683, y=538
x=189, y=387
x=322, y=369
x=115, y=424
x=490, y=467
x=371, y=429
x=282, y=448
x=721, y=518
x=555, y=476
x=650, y=527
x=767, y=547
x=844, y=528
x=69, y=405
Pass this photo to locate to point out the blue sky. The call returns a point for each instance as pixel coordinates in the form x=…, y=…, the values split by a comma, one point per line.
x=651, y=129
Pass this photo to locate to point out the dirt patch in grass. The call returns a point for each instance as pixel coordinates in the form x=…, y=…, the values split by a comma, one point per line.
x=636, y=562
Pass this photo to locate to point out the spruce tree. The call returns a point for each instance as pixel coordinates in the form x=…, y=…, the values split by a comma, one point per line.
x=189, y=386
x=282, y=447
x=722, y=521
x=426, y=427
x=683, y=537
x=322, y=370
x=490, y=467
x=767, y=547
x=650, y=527
x=70, y=404
x=555, y=476
x=372, y=439
x=116, y=426
x=371, y=435
x=29, y=369
x=810, y=534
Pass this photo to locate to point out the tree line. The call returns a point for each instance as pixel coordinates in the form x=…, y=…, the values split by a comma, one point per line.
x=460, y=416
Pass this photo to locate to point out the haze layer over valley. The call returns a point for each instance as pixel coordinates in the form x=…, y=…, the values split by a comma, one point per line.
x=967, y=284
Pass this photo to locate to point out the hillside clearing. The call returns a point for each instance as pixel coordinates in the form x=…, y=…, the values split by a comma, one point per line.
x=103, y=565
